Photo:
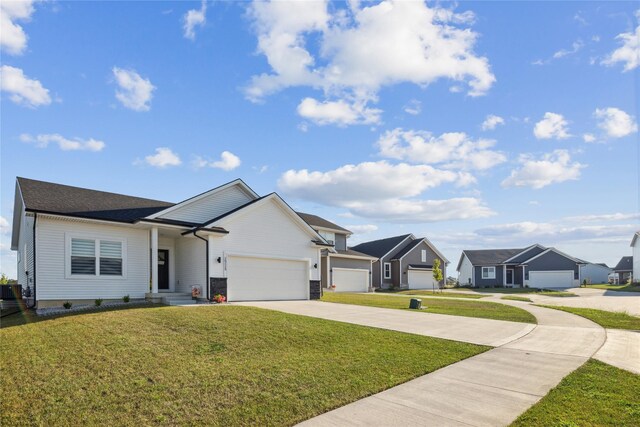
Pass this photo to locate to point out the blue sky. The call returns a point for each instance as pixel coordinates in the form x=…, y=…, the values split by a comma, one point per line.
x=475, y=124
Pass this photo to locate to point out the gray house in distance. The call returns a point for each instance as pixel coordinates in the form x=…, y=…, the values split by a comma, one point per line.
x=403, y=262
x=535, y=267
x=624, y=268
x=342, y=269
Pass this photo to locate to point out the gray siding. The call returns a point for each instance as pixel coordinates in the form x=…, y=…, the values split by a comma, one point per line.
x=350, y=263
x=552, y=261
x=324, y=272
x=414, y=256
x=483, y=283
x=395, y=273
x=376, y=277
x=341, y=242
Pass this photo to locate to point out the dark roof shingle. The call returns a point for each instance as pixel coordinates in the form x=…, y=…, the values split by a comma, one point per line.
x=491, y=256
x=626, y=263
x=403, y=251
x=316, y=221
x=378, y=248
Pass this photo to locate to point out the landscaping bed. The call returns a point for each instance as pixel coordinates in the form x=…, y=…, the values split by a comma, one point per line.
x=461, y=307
x=213, y=365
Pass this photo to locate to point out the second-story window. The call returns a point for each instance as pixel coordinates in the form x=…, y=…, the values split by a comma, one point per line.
x=328, y=236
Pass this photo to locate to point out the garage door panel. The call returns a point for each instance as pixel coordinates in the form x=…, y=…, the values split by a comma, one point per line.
x=551, y=279
x=260, y=279
x=420, y=279
x=350, y=280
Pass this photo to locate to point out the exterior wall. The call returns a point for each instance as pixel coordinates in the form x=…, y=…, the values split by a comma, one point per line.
x=465, y=275
x=527, y=254
x=594, y=273
x=191, y=266
x=376, y=277
x=341, y=242
x=636, y=259
x=484, y=283
x=414, y=256
x=51, y=262
x=396, y=273
x=552, y=261
x=363, y=264
x=25, y=249
x=518, y=276
x=210, y=206
x=324, y=279
x=265, y=230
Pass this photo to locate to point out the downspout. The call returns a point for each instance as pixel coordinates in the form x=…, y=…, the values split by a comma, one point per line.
x=206, y=241
x=35, y=219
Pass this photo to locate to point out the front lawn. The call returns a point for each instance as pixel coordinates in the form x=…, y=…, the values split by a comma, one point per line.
x=431, y=293
x=516, y=298
x=617, y=288
x=485, y=310
x=216, y=365
x=596, y=394
x=606, y=319
x=536, y=291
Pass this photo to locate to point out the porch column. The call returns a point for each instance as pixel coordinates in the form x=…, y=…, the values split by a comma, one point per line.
x=154, y=260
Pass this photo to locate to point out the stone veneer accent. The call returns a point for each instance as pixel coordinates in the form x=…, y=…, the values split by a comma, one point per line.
x=315, y=292
x=217, y=285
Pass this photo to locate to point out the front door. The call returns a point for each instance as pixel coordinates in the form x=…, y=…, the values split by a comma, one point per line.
x=163, y=269
x=509, y=277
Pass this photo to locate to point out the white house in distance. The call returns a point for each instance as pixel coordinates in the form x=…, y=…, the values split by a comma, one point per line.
x=76, y=244
x=635, y=244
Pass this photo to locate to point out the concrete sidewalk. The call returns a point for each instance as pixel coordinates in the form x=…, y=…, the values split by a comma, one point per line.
x=490, y=389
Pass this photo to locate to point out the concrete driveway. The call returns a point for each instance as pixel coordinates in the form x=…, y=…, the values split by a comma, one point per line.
x=490, y=389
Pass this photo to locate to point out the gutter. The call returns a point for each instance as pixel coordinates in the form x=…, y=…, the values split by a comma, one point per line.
x=206, y=241
x=35, y=220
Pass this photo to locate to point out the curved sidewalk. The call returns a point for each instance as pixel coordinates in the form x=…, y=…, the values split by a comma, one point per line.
x=490, y=389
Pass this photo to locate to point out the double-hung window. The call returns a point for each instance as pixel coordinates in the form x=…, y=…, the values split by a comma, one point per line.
x=387, y=270
x=96, y=257
x=424, y=255
x=488, y=272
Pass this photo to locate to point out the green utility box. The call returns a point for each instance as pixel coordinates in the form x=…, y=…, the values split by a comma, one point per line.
x=415, y=304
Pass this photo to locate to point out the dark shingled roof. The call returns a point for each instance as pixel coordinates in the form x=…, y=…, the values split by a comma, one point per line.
x=316, y=221
x=378, y=248
x=352, y=252
x=625, y=264
x=47, y=197
x=491, y=256
x=536, y=250
x=403, y=251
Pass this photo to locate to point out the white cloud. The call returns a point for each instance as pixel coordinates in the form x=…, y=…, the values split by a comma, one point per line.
x=615, y=122
x=618, y=216
x=23, y=90
x=13, y=39
x=453, y=150
x=338, y=112
x=228, y=161
x=361, y=228
x=135, y=91
x=554, y=167
x=194, y=18
x=562, y=230
x=65, y=144
x=553, y=125
x=575, y=47
x=589, y=137
x=491, y=122
x=629, y=51
x=363, y=48
x=6, y=229
x=413, y=107
x=163, y=158
x=382, y=190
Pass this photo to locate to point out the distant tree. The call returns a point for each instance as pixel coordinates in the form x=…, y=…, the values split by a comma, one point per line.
x=437, y=272
x=4, y=280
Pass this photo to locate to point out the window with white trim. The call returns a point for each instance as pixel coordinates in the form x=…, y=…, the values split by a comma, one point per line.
x=424, y=255
x=488, y=272
x=95, y=257
x=387, y=270
x=328, y=236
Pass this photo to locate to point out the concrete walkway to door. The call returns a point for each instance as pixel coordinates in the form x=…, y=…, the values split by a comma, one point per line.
x=491, y=389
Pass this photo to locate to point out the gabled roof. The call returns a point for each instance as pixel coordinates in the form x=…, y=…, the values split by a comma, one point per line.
x=381, y=247
x=490, y=256
x=351, y=253
x=316, y=221
x=576, y=260
x=625, y=264
x=405, y=250
x=48, y=197
x=527, y=253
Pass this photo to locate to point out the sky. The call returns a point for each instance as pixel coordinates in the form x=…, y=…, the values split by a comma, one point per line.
x=474, y=124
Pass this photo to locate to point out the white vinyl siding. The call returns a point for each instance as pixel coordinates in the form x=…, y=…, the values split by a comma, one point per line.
x=488, y=272
x=423, y=255
x=53, y=254
x=636, y=259
x=465, y=275
x=387, y=270
x=191, y=265
x=211, y=206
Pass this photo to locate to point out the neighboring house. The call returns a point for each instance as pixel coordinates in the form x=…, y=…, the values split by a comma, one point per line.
x=342, y=269
x=535, y=267
x=79, y=244
x=635, y=244
x=403, y=262
x=595, y=273
x=624, y=269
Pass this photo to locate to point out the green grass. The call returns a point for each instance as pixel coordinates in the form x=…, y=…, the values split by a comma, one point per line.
x=428, y=293
x=596, y=394
x=515, y=298
x=617, y=288
x=606, y=319
x=536, y=291
x=217, y=365
x=482, y=309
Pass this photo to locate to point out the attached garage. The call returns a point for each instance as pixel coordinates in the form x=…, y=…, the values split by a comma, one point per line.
x=261, y=279
x=551, y=279
x=350, y=280
x=421, y=279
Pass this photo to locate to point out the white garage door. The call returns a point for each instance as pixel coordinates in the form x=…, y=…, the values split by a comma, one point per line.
x=259, y=279
x=350, y=279
x=421, y=279
x=551, y=279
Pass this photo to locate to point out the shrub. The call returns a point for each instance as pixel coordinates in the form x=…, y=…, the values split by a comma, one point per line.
x=126, y=298
x=67, y=305
x=98, y=302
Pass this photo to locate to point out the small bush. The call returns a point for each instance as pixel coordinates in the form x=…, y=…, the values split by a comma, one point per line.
x=126, y=298
x=98, y=302
x=67, y=305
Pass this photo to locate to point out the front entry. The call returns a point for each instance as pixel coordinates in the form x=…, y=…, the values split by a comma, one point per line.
x=163, y=269
x=509, y=276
